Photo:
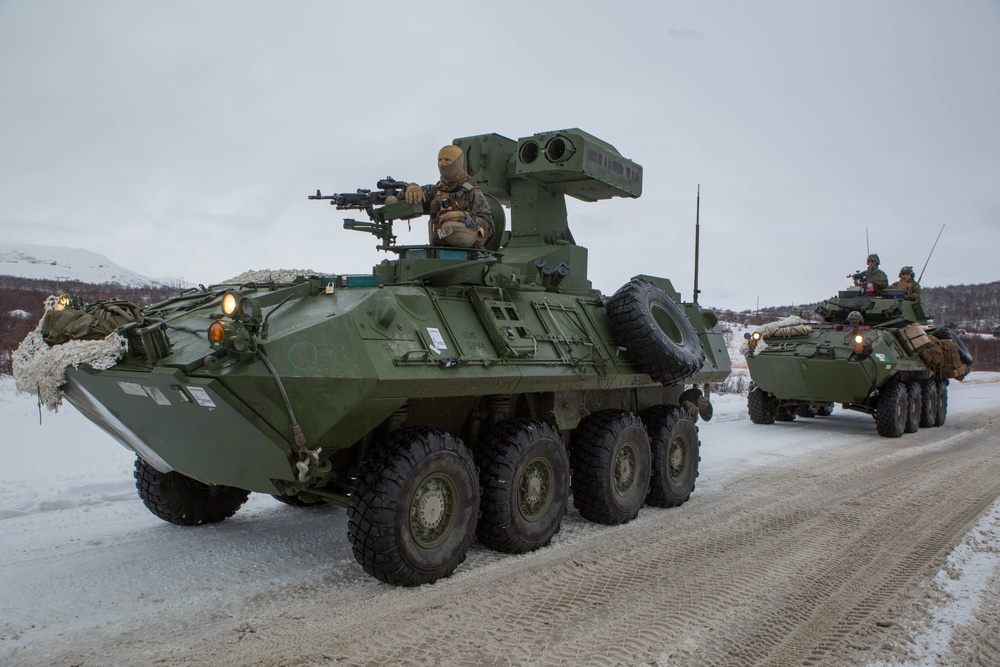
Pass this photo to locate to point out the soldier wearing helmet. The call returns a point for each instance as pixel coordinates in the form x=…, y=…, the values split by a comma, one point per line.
x=874, y=280
x=907, y=283
x=460, y=215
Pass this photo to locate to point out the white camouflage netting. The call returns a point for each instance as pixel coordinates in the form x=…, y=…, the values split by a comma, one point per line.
x=786, y=328
x=40, y=370
x=276, y=275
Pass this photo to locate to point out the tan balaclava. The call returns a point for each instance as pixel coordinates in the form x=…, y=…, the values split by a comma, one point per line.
x=451, y=164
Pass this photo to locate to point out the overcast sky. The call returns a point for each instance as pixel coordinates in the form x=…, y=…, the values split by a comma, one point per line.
x=181, y=138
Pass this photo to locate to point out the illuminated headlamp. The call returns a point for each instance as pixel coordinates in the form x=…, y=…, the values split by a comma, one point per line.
x=240, y=308
x=229, y=303
x=859, y=343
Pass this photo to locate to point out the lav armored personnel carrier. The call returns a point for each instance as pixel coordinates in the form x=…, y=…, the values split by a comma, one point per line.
x=449, y=392
x=877, y=355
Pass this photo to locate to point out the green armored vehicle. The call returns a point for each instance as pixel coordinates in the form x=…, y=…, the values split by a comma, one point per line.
x=451, y=392
x=874, y=354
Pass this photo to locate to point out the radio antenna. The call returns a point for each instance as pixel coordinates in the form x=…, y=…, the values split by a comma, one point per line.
x=930, y=253
x=697, y=233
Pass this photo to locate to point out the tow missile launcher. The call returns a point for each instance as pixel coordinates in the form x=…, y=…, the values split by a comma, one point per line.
x=449, y=393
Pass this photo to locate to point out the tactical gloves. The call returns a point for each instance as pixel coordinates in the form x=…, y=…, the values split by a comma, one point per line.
x=413, y=194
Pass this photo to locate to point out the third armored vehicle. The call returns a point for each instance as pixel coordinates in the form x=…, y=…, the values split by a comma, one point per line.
x=449, y=392
x=874, y=354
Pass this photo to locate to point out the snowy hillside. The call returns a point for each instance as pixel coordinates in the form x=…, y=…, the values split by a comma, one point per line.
x=58, y=263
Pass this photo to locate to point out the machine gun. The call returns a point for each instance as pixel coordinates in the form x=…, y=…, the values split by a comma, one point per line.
x=859, y=277
x=388, y=196
x=365, y=199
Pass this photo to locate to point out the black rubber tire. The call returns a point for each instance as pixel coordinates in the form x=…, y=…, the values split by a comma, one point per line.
x=891, y=409
x=824, y=410
x=675, y=449
x=761, y=407
x=658, y=337
x=808, y=411
x=524, y=474
x=610, y=461
x=179, y=499
x=913, y=406
x=296, y=501
x=415, y=470
x=941, y=413
x=928, y=403
x=786, y=414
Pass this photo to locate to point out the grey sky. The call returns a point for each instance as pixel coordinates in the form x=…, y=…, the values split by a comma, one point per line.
x=181, y=138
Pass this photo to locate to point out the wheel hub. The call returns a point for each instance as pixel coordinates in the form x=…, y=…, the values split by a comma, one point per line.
x=431, y=511
x=677, y=457
x=533, y=491
x=626, y=464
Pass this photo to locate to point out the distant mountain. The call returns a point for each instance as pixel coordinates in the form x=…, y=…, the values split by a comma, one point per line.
x=44, y=262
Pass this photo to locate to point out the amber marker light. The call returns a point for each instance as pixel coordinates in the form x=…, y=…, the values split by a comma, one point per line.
x=217, y=332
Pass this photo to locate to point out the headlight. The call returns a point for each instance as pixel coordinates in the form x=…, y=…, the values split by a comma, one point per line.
x=248, y=309
x=859, y=340
x=229, y=304
x=756, y=335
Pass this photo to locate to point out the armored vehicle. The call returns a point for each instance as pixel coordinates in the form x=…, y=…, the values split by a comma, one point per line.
x=451, y=392
x=874, y=354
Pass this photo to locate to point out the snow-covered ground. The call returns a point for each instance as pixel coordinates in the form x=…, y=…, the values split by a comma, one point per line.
x=73, y=527
x=26, y=260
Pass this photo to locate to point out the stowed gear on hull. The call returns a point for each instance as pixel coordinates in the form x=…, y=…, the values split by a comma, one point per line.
x=872, y=354
x=450, y=392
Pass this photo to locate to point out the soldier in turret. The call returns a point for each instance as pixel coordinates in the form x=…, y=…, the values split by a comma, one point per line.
x=907, y=283
x=874, y=279
x=460, y=215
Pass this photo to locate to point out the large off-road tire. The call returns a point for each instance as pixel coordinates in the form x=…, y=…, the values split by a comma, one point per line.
x=824, y=410
x=928, y=403
x=414, y=507
x=610, y=460
x=673, y=441
x=185, y=501
x=941, y=413
x=786, y=414
x=914, y=405
x=891, y=408
x=524, y=474
x=806, y=411
x=761, y=406
x=658, y=337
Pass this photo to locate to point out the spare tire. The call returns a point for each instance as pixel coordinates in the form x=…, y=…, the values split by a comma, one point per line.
x=658, y=337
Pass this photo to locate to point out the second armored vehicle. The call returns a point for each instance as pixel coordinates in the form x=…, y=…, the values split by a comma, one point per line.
x=872, y=354
x=451, y=392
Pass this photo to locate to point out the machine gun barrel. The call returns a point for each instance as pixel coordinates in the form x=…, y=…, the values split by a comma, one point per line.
x=365, y=199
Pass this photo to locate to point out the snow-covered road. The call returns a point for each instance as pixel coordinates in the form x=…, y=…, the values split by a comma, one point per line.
x=90, y=577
